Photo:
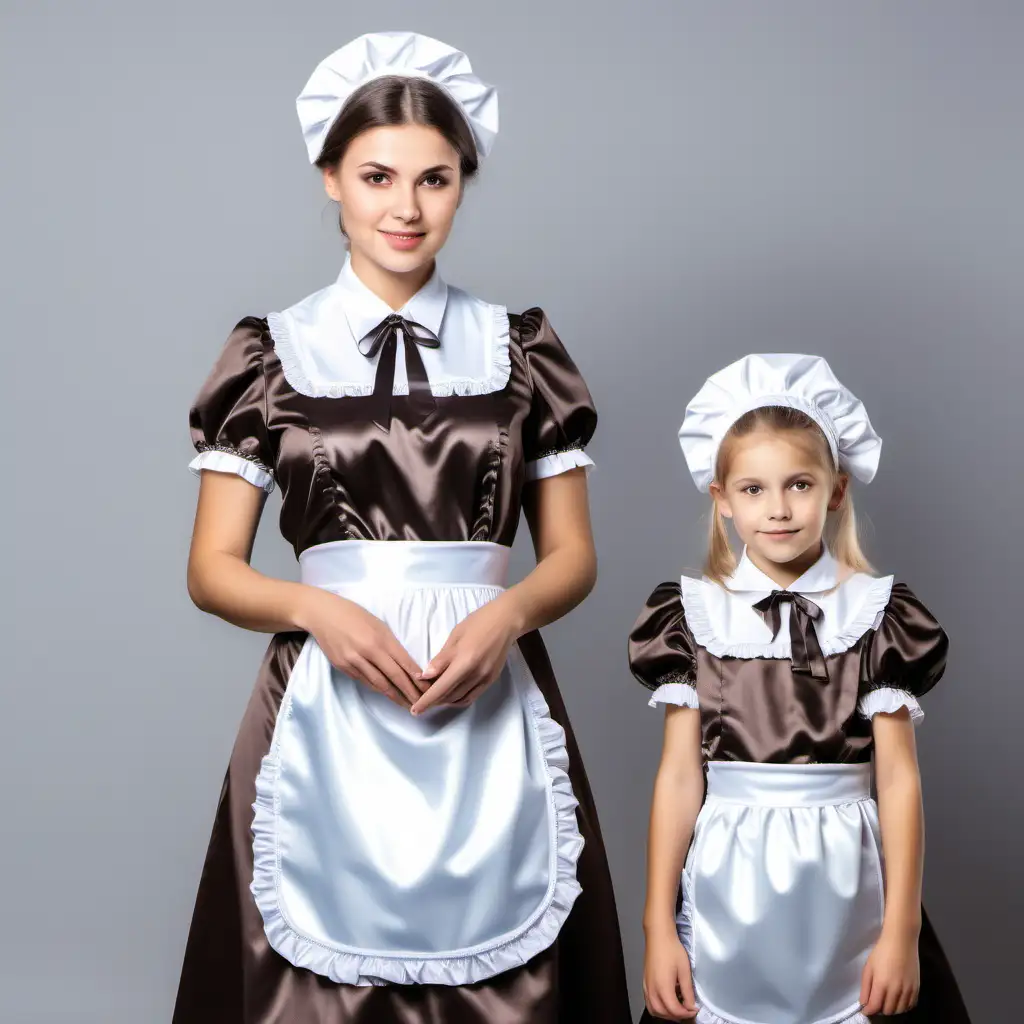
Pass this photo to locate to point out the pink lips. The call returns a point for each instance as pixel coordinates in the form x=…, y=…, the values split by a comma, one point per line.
x=403, y=241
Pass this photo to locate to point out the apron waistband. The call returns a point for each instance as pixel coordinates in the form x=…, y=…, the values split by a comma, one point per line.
x=788, y=785
x=390, y=564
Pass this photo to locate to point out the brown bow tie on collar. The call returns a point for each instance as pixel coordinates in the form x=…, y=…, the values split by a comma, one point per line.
x=807, y=656
x=384, y=339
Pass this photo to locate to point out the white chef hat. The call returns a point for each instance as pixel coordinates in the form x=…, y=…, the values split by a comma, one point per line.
x=394, y=53
x=800, y=382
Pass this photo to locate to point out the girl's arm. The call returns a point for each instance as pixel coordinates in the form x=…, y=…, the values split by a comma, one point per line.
x=678, y=795
x=558, y=514
x=221, y=581
x=892, y=975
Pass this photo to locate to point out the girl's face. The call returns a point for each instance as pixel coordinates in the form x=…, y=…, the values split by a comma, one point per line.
x=777, y=492
x=398, y=188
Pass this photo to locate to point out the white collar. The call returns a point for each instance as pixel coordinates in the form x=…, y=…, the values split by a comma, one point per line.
x=823, y=575
x=317, y=340
x=364, y=310
x=724, y=622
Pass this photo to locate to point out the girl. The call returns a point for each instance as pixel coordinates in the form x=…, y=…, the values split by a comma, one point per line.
x=784, y=675
x=424, y=847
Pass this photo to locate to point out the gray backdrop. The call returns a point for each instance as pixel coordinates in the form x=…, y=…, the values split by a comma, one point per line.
x=677, y=184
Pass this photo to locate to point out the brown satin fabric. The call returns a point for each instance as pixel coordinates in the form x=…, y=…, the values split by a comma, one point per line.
x=909, y=648
x=231, y=975
x=661, y=647
x=436, y=478
x=761, y=710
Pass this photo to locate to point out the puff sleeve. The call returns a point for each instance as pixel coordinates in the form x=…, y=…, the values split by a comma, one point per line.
x=661, y=649
x=228, y=420
x=903, y=658
x=562, y=417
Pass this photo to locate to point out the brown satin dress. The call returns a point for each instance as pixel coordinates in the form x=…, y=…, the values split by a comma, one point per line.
x=760, y=710
x=457, y=475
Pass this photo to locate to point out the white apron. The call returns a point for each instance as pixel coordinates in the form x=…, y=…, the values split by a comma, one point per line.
x=783, y=893
x=388, y=848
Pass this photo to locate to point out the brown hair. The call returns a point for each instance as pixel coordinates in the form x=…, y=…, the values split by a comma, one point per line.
x=841, y=537
x=399, y=99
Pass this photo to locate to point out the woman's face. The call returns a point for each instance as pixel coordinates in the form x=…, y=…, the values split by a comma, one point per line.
x=398, y=188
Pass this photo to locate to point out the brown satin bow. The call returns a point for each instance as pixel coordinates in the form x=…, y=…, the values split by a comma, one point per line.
x=384, y=339
x=807, y=656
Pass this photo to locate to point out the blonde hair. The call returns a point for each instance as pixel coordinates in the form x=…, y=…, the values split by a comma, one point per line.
x=840, y=536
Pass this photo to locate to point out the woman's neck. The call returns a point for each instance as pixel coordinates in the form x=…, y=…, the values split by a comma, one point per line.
x=393, y=288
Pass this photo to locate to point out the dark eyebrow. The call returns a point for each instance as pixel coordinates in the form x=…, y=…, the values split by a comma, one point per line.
x=391, y=170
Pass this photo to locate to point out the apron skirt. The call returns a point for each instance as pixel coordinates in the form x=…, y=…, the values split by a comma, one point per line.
x=388, y=848
x=783, y=893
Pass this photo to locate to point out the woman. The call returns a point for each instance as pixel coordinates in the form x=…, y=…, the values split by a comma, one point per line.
x=406, y=832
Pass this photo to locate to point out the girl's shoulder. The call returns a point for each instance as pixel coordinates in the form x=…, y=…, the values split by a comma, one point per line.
x=908, y=648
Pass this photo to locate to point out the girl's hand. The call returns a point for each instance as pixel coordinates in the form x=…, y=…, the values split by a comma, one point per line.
x=362, y=646
x=892, y=976
x=668, y=985
x=471, y=659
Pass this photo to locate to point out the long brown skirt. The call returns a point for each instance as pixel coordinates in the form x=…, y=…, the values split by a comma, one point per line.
x=231, y=975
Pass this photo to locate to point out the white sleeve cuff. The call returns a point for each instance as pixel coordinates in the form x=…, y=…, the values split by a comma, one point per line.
x=887, y=700
x=559, y=462
x=682, y=694
x=228, y=462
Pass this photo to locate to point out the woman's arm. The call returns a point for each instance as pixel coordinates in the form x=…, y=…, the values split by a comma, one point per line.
x=558, y=515
x=892, y=974
x=221, y=581
x=678, y=795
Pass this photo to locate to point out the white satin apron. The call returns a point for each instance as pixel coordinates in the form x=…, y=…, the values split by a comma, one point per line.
x=388, y=848
x=783, y=893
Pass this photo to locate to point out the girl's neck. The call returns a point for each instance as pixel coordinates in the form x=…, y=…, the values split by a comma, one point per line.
x=393, y=288
x=785, y=574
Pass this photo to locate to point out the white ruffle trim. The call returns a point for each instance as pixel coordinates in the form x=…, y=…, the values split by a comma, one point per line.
x=684, y=919
x=867, y=616
x=558, y=462
x=683, y=694
x=291, y=366
x=352, y=967
x=228, y=462
x=888, y=699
